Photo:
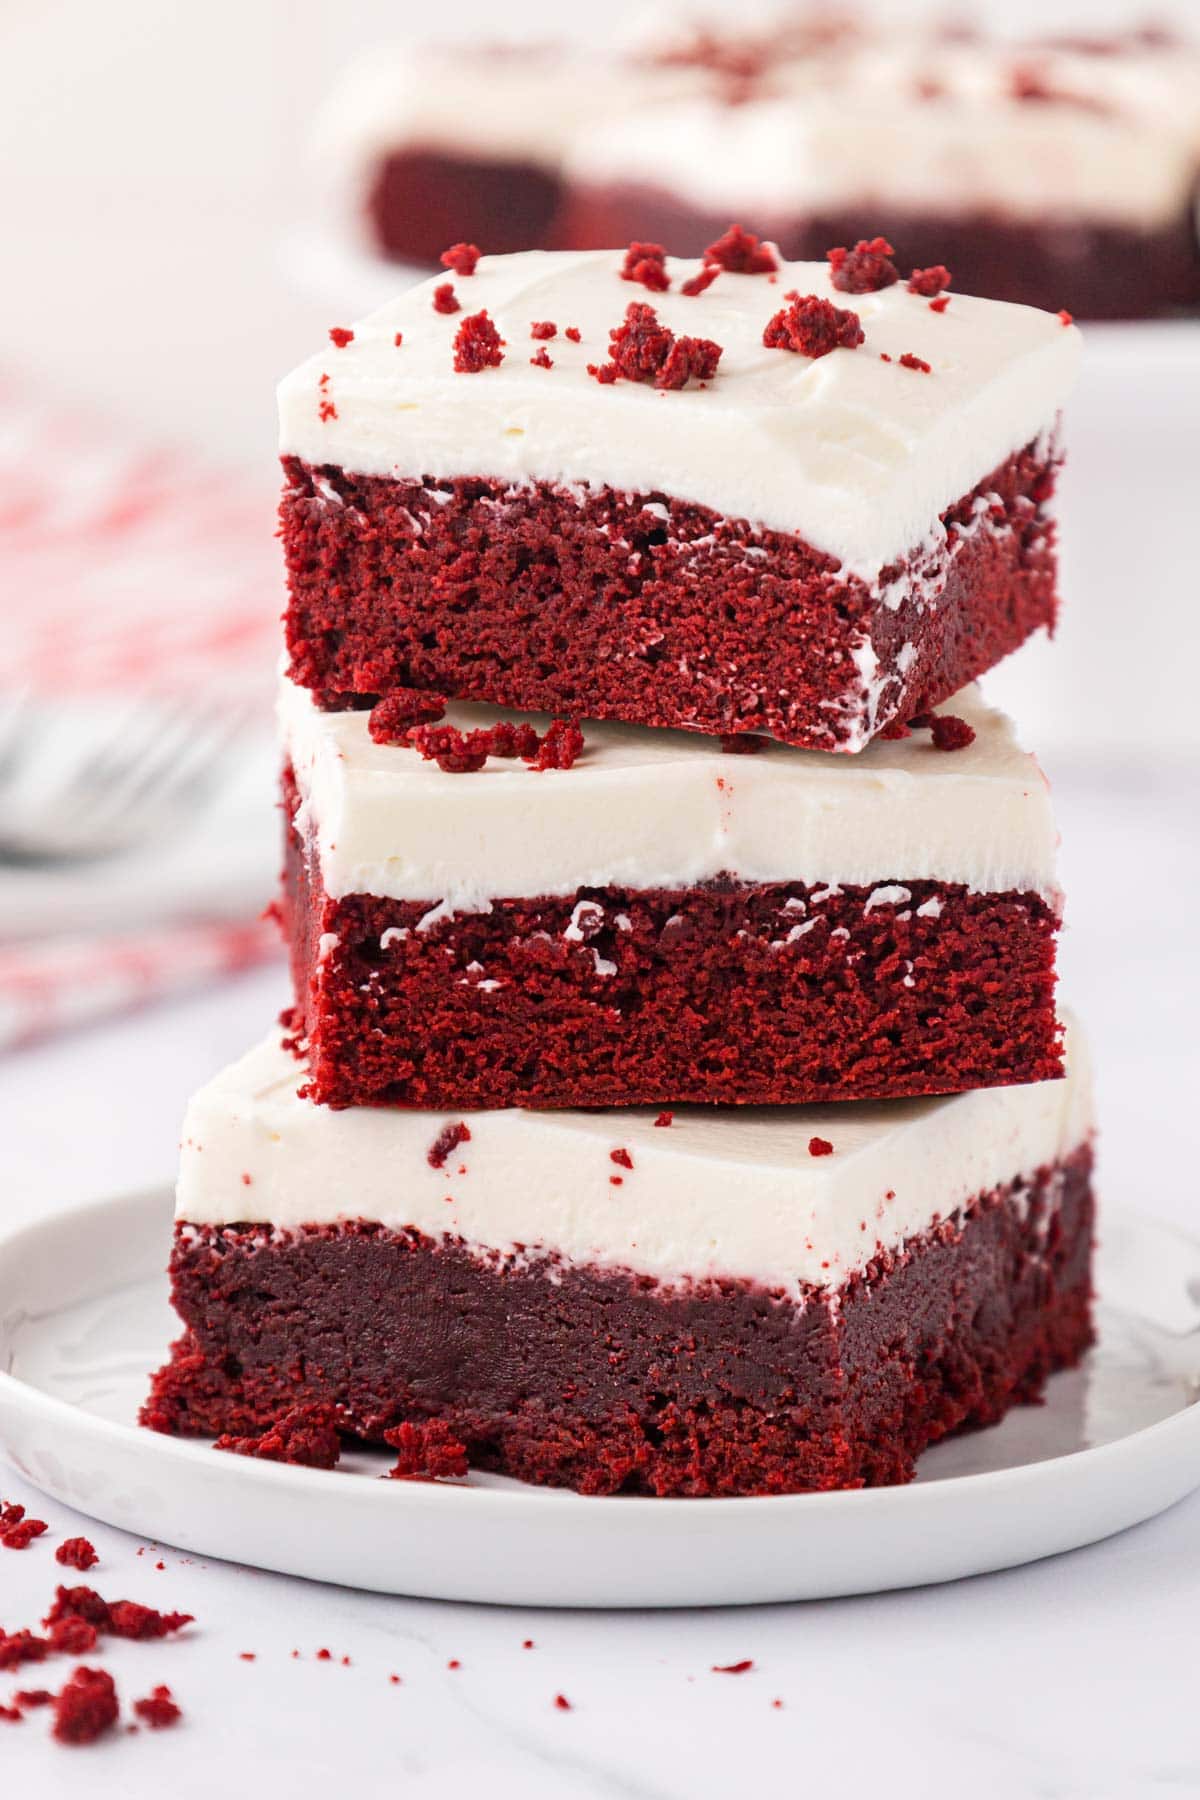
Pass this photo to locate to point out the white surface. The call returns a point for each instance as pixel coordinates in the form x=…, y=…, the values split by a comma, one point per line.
x=666, y=809
x=83, y=1318
x=854, y=454
x=710, y=1196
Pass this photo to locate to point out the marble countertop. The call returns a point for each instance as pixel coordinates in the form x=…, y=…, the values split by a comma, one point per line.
x=1072, y=1679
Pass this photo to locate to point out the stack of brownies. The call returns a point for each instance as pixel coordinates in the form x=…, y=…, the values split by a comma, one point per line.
x=674, y=1099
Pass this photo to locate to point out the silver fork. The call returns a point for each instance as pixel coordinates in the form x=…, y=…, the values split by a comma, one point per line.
x=139, y=778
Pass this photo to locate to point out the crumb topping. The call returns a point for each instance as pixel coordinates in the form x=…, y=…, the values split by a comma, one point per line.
x=341, y=336
x=646, y=263
x=477, y=345
x=909, y=361
x=462, y=258
x=542, y=359
x=702, y=279
x=741, y=253
x=810, y=326
x=391, y=717
x=305, y=1436
x=643, y=349
x=933, y=280
x=445, y=300
x=86, y=1707
x=867, y=269
x=446, y=1142
x=158, y=1709
x=664, y=1119
x=819, y=1146
x=428, y=1450
x=76, y=1553
x=950, y=732
x=572, y=332
x=543, y=328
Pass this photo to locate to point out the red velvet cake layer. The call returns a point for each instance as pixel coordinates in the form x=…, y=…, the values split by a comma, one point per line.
x=421, y=200
x=1095, y=271
x=646, y=608
x=711, y=993
x=606, y=1381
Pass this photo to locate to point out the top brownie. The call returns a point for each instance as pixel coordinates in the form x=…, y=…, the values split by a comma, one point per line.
x=728, y=494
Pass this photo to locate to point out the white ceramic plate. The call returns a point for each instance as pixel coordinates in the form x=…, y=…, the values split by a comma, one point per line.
x=84, y=1318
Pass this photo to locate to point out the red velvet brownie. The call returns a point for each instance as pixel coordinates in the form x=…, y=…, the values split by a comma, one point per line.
x=686, y=1303
x=663, y=921
x=731, y=497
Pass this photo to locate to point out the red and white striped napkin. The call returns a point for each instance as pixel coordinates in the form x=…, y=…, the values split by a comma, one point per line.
x=126, y=568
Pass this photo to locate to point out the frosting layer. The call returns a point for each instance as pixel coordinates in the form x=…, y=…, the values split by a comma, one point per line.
x=854, y=454
x=646, y=808
x=732, y=1193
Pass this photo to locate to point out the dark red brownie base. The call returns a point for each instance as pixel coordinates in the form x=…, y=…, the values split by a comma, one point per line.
x=1095, y=271
x=708, y=1003
x=606, y=1381
x=589, y=604
x=421, y=200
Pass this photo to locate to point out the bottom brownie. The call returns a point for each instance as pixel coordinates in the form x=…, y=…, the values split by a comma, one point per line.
x=605, y=1380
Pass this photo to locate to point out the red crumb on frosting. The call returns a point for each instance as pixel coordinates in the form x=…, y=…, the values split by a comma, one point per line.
x=398, y=339
x=622, y=1158
x=950, y=733
x=306, y=1436
x=527, y=1644
x=742, y=743
x=818, y=1146
x=247, y=1656
x=444, y=298
x=477, y=345
x=464, y=752
x=428, y=1450
x=447, y=1140
x=866, y=269
x=737, y=1668
x=665, y=1118
x=909, y=361
x=562, y=1703
x=461, y=258
x=1066, y=318
x=543, y=359
x=341, y=336
x=543, y=328
x=324, y=1655
x=76, y=1553
x=645, y=263
x=742, y=253
x=810, y=326
x=21, y=1532
x=326, y=411
x=86, y=1707
x=641, y=348
x=929, y=281
x=158, y=1709
x=391, y=717
x=940, y=304
x=572, y=331
x=454, y=1663
x=702, y=279
x=560, y=747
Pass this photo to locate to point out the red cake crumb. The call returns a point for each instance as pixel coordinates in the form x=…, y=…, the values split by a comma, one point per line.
x=10, y=1513
x=777, y=1703
x=73, y=1637
x=21, y=1533
x=17, y=1647
x=447, y=1140
x=542, y=360
x=76, y=1553
x=951, y=733
x=395, y=1680
x=1066, y=318
x=940, y=304
x=86, y=1707
x=158, y=1709
x=391, y=717
x=622, y=1158
x=11, y=1715
x=867, y=269
x=909, y=361
x=477, y=345
x=247, y=1656
x=398, y=339
x=664, y=1119
x=543, y=328
x=737, y=1668
x=445, y=299
x=462, y=258
x=428, y=1448
x=527, y=1644
x=742, y=253
x=326, y=411
x=28, y=1698
x=121, y=1618
x=929, y=281
x=572, y=331
x=819, y=1146
x=341, y=336
x=560, y=747
x=704, y=278
x=454, y=1663
x=810, y=326
x=306, y=1437
x=641, y=348
x=644, y=263
x=562, y=1703
x=456, y=752
x=324, y=1655
x=689, y=358
x=742, y=743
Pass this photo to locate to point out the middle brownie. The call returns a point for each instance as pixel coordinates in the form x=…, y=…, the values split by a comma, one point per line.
x=665, y=921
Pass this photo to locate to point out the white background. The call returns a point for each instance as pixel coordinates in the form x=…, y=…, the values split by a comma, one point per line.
x=153, y=160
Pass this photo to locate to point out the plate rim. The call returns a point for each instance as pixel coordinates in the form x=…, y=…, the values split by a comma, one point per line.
x=949, y=1490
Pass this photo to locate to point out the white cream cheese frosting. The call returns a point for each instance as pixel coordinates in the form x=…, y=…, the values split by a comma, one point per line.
x=855, y=454
x=645, y=808
x=733, y=1193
